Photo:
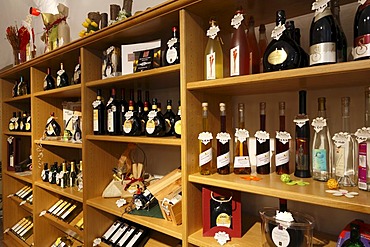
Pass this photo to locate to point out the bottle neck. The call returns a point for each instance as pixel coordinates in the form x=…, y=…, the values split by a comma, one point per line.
x=322, y=113
x=282, y=122
x=223, y=121
x=262, y=35
x=263, y=122
x=205, y=120
x=345, y=123
x=241, y=119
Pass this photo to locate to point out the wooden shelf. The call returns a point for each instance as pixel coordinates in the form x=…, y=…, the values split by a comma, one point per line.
x=18, y=241
x=167, y=141
x=28, y=207
x=18, y=99
x=319, y=77
x=24, y=176
x=270, y=185
x=65, y=227
x=109, y=205
x=17, y=133
x=73, y=91
x=59, y=144
x=69, y=192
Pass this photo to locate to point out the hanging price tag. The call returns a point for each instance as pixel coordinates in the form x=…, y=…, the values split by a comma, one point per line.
x=237, y=20
x=212, y=32
x=96, y=103
x=362, y=2
x=277, y=32
x=318, y=124
x=241, y=135
x=262, y=136
x=341, y=138
x=205, y=137
x=223, y=137
x=319, y=6
x=362, y=135
x=300, y=122
x=222, y=237
x=283, y=136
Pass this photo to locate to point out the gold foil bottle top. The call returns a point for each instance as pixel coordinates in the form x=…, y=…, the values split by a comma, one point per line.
x=282, y=108
x=263, y=108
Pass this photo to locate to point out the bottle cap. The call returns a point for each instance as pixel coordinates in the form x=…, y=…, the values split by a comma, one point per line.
x=222, y=106
x=204, y=104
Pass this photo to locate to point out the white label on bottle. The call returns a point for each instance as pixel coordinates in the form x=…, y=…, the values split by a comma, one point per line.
x=111, y=230
x=205, y=157
x=135, y=238
x=339, y=154
x=61, y=72
x=234, y=61
x=237, y=20
x=262, y=136
x=96, y=103
x=360, y=51
x=171, y=55
x=323, y=53
x=277, y=32
x=211, y=65
x=280, y=236
x=300, y=122
x=152, y=114
x=362, y=134
x=11, y=160
x=362, y=2
x=129, y=114
x=241, y=135
x=212, y=32
x=110, y=101
x=223, y=137
x=263, y=159
x=241, y=162
x=320, y=5
x=45, y=82
x=283, y=136
x=282, y=158
x=127, y=126
x=43, y=175
x=96, y=120
x=28, y=119
x=10, y=139
x=318, y=124
x=205, y=137
x=223, y=160
x=110, y=121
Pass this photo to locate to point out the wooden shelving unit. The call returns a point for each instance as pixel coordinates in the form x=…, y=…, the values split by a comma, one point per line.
x=186, y=82
x=28, y=207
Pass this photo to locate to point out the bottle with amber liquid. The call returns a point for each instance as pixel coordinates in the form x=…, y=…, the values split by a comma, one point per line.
x=262, y=144
x=254, y=51
x=213, y=57
x=223, y=144
x=302, y=140
x=361, y=32
x=205, y=144
x=241, y=160
x=239, y=50
x=282, y=144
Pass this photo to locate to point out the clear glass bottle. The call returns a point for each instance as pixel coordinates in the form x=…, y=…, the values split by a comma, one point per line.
x=345, y=172
x=321, y=145
x=282, y=144
x=254, y=51
x=223, y=144
x=205, y=144
x=241, y=160
x=213, y=55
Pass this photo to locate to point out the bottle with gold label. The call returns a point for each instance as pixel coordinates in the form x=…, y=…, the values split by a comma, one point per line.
x=282, y=53
x=132, y=123
x=155, y=125
x=205, y=144
x=178, y=122
x=169, y=117
x=221, y=211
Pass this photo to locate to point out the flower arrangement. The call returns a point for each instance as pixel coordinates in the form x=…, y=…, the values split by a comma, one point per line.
x=12, y=36
x=91, y=24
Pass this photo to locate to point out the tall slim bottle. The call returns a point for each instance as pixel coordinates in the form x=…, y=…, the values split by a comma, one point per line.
x=98, y=115
x=341, y=36
x=344, y=158
x=123, y=105
x=262, y=144
x=205, y=144
x=113, y=114
x=262, y=43
x=213, y=55
x=302, y=140
x=254, y=51
x=241, y=160
x=239, y=50
x=282, y=144
x=321, y=145
x=223, y=144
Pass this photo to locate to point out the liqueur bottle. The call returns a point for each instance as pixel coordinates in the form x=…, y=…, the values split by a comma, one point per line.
x=132, y=98
x=27, y=126
x=132, y=123
x=23, y=122
x=45, y=173
x=344, y=150
x=123, y=105
x=262, y=144
x=282, y=53
x=144, y=117
x=205, y=144
x=241, y=160
x=172, y=53
x=321, y=145
x=302, y=140
x=139, y=103
x=223, y=144
x=147, y=99
x=221, y=211
x=72, y=175
x=11, y=125
x=323, y=35
x=64, y=176
x=15, y=89
x=98, y=115
x=177, y=127
x=113, y=114
x=156, y=125
x=52, y=127
x=213, y=55
x=49, y=82
x=282, y=144
x=77, y=73
x=169, y=117
x=53, y=175
x=361, y=31
x=254, y=51
x=341, y=36
x=77, y=135
x=355, y=237
x=22, y=87
x=62, y=77
x=17, y=122
x=239, y=50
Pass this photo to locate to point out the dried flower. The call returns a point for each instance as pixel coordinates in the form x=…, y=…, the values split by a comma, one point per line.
x=12, y=36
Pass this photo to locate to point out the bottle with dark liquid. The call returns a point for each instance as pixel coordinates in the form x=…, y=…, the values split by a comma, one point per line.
x=169, y=117
x=52, y=127
x=72, y=175
x=239, y=50
x=341, y=36
x=172, y=53
x=62, y=77
x=262, y=43
x=155, y=126
x=123, y=108
x=77, y=73
x=221, y=211
x=53, y=173
x=241, y=160
x=139, y=103
x=282, y=144
x=98, y=115
x=295, y=34
x=45, y=173
x=302, y=140
x=113, y=114
x=132, y=124
x=355, y=237
x=11, y=125
x=254, y=51
x=147, y=99
x=177, y=127
x=144, y=117
x=64, y=178
x=213, y=57
x=17, y=122
x=323, y=36
x=28, y=123
x=223, y=144
x=22, y=123
x=15, y=89
x=282, y=53
x=263, y=144
x=132, y=98
x=205, y=144
x=361, y=32
x=49, y=82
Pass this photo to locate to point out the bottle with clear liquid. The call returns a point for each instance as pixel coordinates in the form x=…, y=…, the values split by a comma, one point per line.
x=262, y=144
x=254, y=51
x=282, y=144
x=321, y=145
x=205, y=144
x=223, y=144
x=241, y=160
x=344, y=158
x=213, y=55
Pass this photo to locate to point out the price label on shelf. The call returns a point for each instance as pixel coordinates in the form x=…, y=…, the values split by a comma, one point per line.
x=42, y=213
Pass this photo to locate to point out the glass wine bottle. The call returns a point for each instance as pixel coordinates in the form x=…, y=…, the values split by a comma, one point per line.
x=205, y=144
x=169, y=117
x=45, y=173
x=63, y=176
x=254, y=51
x=321, y=145
x=17, y=122
x=123, y=108
x=147, y=99
x=132, y=123
x=302, y=140
x=262, y=144
x=22, y=123
x=72, y=175
x=79, y=179
x=113, y=114
x=177, y=127
x=344, y=150
x=49, y=82
x=323, y=36
x=28, y=123
x=62, y=77
x=172, y=53
x=213, y=57
x=144, y=117
x=295, y=34
x=223, y=144
x=98, y=115
x=262, y=43
x=22, y=87
x=361, y=32
x=241, y=160
x=282, y=144
x=53, y=175
x=239, y=51
x=355, y=237
x=341, y=36
x=132, y=98
x=155, y=126
x=52, y=127
x=77, y=73
x=139, y=103
x=11, y=125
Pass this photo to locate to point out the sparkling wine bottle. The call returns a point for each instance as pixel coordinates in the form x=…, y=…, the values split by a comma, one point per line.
x=62, y=77
x=254, y=51
x=361, y=32
x=98, y=115
x=282, y=144
x=205, y=144
x=172, y=53
x=223, y=144
x=262, y=144
x=132, y=123
x=169, y=117
x=241, y=160
x=113, y=114
x=49, y=82
x=341, y=36
x=321, y=145
x=213, y=57
x=302, y=140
